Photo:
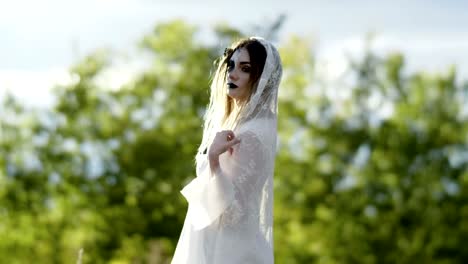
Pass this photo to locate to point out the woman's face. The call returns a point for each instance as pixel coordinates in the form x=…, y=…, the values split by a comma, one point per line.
x=238, y=75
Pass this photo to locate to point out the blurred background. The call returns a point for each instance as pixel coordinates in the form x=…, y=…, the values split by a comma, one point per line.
x=101, y=106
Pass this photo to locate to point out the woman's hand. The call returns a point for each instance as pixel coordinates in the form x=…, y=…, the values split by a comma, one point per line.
x=222, y=142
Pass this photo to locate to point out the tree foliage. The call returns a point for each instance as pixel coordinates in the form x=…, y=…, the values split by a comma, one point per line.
x=379, y=176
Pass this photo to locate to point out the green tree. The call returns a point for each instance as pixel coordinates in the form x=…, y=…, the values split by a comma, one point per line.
x=368, y=186
x=377, y=177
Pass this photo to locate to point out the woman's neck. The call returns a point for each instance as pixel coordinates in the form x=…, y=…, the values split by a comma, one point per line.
x=237, y=106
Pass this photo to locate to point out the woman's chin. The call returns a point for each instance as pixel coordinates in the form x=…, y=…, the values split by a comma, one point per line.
x=235, y=94
x=231, y=93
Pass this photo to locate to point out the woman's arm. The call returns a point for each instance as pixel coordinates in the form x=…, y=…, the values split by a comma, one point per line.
x=211, y=195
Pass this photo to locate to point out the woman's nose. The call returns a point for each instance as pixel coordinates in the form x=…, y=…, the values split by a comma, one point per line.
x=232, y=75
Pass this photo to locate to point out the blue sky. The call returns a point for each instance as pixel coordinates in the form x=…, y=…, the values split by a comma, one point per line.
x=40, y=40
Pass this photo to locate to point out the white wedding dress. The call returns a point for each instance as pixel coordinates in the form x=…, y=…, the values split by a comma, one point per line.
x=230, y=213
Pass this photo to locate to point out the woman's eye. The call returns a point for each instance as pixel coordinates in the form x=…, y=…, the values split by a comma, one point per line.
x=230, y=65
x=246, y=69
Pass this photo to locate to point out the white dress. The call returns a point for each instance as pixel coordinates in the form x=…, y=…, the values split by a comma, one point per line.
x=230, y=213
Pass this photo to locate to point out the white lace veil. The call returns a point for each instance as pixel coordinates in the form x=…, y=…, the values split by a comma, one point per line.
x=263, y=102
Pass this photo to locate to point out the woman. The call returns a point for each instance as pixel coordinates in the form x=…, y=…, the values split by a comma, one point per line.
x=230, y=213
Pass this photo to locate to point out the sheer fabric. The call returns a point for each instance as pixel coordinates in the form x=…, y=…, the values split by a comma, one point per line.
x=230, y=218
x=263, y=101
x=230, y=213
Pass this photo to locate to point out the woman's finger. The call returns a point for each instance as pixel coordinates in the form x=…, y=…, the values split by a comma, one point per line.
x=229, y=135
x=233, y=142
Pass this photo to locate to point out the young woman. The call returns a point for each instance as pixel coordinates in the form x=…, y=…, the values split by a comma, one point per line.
x=230, y=213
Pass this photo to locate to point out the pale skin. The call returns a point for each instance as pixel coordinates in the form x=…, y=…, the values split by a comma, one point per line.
x=238, y=74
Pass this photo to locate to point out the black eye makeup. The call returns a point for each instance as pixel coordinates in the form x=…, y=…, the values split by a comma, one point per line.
x=230, y=65
x=245, y=66
x=246, y=69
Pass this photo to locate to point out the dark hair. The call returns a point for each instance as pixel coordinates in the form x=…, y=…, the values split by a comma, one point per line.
x=257, y=54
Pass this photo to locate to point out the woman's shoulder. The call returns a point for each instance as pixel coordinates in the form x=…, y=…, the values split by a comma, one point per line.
x=259, y=135
x=262, y=128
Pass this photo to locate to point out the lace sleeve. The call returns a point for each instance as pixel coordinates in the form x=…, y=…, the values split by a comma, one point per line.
x=249, y=171
x=226, y=191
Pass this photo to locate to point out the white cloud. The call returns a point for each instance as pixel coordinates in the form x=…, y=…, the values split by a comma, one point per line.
x=32, y=87
x=423, y=51
x=121, y=72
